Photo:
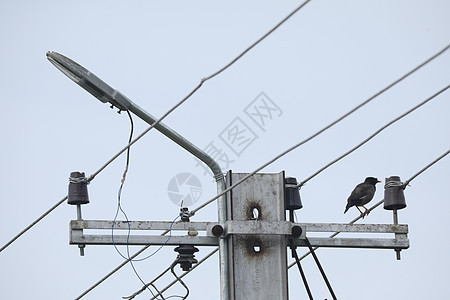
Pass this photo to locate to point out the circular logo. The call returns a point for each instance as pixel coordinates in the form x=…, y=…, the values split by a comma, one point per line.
x=184, y=189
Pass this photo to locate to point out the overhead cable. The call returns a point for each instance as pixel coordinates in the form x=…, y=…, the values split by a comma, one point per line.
x=203, y=80
x=377, y=204
x=406, y=183
x=187, y=272
x=373, y=135
x=325, y=128
x=147, y=284
x=178, y=279
x=316, y=259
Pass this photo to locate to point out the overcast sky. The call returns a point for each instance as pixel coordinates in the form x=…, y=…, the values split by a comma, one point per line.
x=325, y=60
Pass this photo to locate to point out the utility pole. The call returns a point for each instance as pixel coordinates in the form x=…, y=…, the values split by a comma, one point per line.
x=257, y=244
x=257, y=234
x=251, y=231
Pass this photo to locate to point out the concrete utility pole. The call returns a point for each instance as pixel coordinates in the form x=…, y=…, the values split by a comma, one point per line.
x=257, y=234
x=257, y=215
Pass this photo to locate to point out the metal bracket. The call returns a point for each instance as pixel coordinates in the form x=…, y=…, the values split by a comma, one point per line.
x=211, y=232
x=265, y=228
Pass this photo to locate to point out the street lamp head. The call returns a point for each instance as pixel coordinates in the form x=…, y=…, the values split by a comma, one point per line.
x=88, y=81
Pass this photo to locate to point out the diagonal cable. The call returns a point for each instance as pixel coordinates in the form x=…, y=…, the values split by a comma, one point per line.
x=326, y=127
x=203, y=80
x=187, y=272
x=377, y=204
x=373, y=135
x=406, y=183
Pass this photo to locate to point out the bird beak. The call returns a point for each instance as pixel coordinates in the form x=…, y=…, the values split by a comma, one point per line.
x=379, y=181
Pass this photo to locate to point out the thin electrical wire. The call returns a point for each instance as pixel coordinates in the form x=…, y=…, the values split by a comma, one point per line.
x=115, y=270
x=34, y=223
x=259, y=40
x=203, y=80
x=373, y=135
x=338, y=232
x=158, y=121
x=287, y=151
x=322, y=130
x=406, y=183
x=154, y=286
x=165, y=271
x=150, y=283
x=322, y=271
x=119, y=208
x=187, y=272
x=331, y=236
x=178, y=278
x=302, y=273
x=295, y=256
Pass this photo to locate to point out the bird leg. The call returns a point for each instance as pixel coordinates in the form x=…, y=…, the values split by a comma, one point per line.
x=367, y=211
x=362, y=214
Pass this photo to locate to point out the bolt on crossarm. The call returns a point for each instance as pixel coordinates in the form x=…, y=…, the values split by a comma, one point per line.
x=106, y=94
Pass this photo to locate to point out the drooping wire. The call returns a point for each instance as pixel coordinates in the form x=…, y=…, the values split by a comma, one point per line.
x=119, y=194
x=119, y=208
x=175, y=281
x=178, y=278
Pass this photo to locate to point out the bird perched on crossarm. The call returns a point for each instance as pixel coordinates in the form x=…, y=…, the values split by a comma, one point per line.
x=362, y=194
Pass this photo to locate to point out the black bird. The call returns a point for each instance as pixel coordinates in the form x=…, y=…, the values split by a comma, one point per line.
x=362, y=194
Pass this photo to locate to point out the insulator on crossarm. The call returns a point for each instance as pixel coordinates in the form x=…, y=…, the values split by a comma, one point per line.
x=78, y=192
x=292, y=194
x=394, y=198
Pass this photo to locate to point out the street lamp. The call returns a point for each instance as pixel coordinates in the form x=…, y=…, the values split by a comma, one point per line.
x=106, y=94
x=88, y=81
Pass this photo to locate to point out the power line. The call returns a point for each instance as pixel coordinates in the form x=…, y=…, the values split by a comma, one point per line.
x=178, y=279
x=398, y=118
x=322, y=271
x=165, y=271
x=314, y=248
x=187, y=272
x=259, y=40
x=115, y=270
x=34, y=223
x=373, y=135
x=150, y=283
x=203, y=80
x=405, y=184
x=326, y=127
x=214, y=251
